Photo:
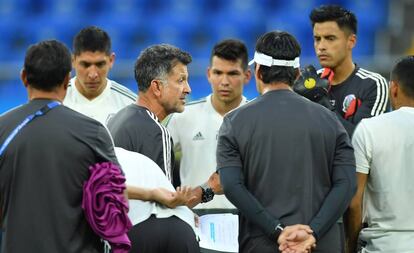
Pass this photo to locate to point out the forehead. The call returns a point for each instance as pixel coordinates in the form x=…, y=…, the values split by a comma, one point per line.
x=89, y=56
x=179, y=69
x=327, y=28
x=225, y=65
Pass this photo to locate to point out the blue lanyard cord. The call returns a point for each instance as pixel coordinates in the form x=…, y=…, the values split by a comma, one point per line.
x=45, y=109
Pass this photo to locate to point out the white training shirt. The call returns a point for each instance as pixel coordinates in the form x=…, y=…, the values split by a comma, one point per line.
x=195, y=131
x=110, y=101
x=141, y=171
x=384, y=149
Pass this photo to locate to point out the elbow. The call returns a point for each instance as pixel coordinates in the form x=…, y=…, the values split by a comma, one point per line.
x=351, y=190
x=353, y=186
x=355, y=205
x=231, y=182
x=227, y=188
x=226, y=182
x=349, y=181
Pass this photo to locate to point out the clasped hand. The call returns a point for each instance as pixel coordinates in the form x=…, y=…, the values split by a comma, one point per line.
x=296, y=239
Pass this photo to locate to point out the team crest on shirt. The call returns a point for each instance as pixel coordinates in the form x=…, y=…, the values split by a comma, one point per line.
x=347, y=101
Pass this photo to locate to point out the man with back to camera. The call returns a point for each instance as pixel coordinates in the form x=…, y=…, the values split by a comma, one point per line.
x=162, y=77
x=195, y=130
x=45, y=152
x=284, y=160
x=354, y=93
x=91, y=92
x=383, y=202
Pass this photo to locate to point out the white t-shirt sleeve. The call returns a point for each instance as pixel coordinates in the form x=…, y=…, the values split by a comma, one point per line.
x=362, y=143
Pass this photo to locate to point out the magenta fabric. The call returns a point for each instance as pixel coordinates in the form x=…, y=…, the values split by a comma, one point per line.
x=105, y=206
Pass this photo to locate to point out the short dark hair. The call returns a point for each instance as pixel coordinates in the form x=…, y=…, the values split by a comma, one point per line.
x=231, y=50
x=155, y=62
x=282, y=46
x=343, y=17
x=92, y=39
x=403, y=74
x=46, y=64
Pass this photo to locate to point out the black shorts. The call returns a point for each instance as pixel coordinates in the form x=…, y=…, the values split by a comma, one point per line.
x=163, y=235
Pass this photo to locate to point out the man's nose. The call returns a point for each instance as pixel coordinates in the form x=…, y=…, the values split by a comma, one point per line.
x=187, y=88
x=225, y=80
x=93, y=72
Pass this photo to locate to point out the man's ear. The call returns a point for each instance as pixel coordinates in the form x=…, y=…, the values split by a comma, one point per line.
x=394, y=89
x=352, y=40
x=23, y=77
x=247, y=75
x=208, y=73
x=73, y=58
x=257, y=73
x=66, y=81
x=112, y=59
x=297, y=74
x=156, y=88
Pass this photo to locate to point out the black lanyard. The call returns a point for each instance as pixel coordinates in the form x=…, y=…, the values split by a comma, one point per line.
x=45, y=109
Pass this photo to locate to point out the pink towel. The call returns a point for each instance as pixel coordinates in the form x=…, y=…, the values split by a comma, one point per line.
x=106, y=207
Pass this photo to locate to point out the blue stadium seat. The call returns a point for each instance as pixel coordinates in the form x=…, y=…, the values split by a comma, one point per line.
x=172, y=28
x=199, y=87
x=371, y=14
x=121, y=30
x=9, y=101
x=193, y=25
x=300, y=28
x=365, y=45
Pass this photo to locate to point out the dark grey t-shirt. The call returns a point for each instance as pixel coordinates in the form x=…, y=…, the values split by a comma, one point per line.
x=287, y=147
x=137, y=129
x=42, y=173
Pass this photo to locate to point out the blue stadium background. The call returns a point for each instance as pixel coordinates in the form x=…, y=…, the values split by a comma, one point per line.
x=193, y=25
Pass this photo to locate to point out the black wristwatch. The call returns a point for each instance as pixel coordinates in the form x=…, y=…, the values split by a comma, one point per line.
x=207, y=194
x=278, y=230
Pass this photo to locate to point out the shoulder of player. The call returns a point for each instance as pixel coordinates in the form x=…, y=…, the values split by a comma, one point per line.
x=371, y=76
x=71, y=84
x=133, y=119
x=372, y=81
x=123, y=91
x=77, y=119
x=196, y=103
x=244, y=111
x=192, y=107
x=191, y=110
x=70, y=87
x=378, y=124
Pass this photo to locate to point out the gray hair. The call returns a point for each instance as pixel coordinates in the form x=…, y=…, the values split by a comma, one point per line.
x=155, y=62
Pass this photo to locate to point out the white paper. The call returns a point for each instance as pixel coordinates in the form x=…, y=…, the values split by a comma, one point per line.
x=219, y=232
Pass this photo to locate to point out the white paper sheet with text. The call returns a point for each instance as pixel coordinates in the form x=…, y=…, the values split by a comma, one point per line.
x=219, y=232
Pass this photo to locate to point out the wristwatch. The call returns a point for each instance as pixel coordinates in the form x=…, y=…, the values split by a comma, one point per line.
x=207, y=194
x=278, y=230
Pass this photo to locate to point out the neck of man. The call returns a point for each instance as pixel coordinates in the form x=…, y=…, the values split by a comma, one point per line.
x=90, y=96
x=404, y=102
x=152, y=105
x=58, y=94
x=223, y=107
x=274, y=86
x=343, y=71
